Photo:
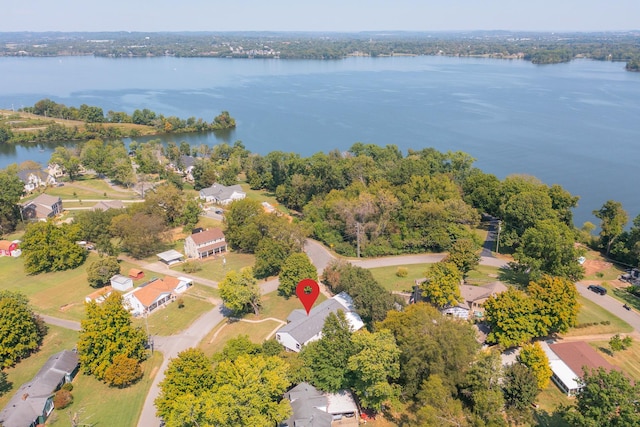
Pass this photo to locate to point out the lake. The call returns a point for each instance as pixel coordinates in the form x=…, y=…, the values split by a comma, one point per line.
x=574, y=124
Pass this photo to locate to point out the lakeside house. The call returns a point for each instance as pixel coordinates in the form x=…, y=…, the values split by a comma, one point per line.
x=222, y=194
x=32, y=404
x=205, y=243
x=35, y=178
x=301, y=328
x=42, y=208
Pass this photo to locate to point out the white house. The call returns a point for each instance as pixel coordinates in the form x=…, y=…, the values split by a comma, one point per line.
x=303, y=328
x=222, y=194
x=121, y=283
x=205, y=243
x=146, y=298
x=35, y=178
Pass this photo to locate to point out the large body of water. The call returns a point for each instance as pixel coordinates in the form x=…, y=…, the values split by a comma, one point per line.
x=575, y=124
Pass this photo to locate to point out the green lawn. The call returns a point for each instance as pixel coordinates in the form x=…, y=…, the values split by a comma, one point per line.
x=257, y=332
x=214, y=269
x=59, y=294
x=386, y=276
x=592, y=313
x=170, y=319
x=548, y=401
x=99, y=405
x=627, y=360
x=57, y=339
x=274, y=305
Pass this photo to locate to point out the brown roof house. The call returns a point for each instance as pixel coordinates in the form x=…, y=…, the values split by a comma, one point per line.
x=568, y=360
x=205, y=243
x=42, y=207
x=105, y=205
x=473, y=298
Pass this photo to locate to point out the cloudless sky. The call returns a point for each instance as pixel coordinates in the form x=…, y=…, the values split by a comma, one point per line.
x=325, y=15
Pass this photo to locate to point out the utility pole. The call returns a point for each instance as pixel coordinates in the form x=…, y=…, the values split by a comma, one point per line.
x=358, y=238
x=498, y=238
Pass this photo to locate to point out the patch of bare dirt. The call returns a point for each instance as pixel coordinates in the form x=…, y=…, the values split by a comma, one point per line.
x=592, y=266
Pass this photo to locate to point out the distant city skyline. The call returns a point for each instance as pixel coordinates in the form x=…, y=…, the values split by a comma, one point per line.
x=328, y=15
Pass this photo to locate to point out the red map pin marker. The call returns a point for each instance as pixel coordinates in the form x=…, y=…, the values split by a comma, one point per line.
x=307, y=298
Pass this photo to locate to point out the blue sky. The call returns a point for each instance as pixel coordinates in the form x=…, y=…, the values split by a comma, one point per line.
x=326, y=15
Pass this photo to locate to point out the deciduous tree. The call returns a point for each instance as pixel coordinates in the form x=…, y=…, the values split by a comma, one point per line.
x=48, y=247
x=375, y=365
x=240, y=292
x=328, y=357
x=101, y=270
x=123, y=372
x=556, y=304
x=464, y=255
x=442, y=287
x=534, y=357
x=296, y=267
x=430, y=344
x=605, y=399
x=511, y=318
x=613, y=219
x=11, y=189
x=187, y=376
x=21, y=330
x=520, y=387
x=106, y=332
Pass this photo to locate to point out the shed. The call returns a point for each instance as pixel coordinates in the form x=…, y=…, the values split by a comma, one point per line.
x=170, y=257
x=134, y=273
x=121, y=283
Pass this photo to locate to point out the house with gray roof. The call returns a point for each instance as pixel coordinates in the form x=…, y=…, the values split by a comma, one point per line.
x=222, y=194
x=42, y=207
x=33, y=402
x=302, y=328
x=35, y=178
x=313, y=408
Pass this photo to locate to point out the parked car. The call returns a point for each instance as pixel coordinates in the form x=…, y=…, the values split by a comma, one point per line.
x=597, y=289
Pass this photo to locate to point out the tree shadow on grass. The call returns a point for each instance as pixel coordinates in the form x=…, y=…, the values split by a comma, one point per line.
x=511, y=274
x=553, y=419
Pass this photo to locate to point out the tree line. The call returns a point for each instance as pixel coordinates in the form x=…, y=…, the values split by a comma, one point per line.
x=538, y=47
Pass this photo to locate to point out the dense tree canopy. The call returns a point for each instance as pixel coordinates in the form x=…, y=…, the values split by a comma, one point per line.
x=605, y=399
x=296, y=267
x=240, y=292
x=100, y=271
x=534, y=357
x=21, y=330
x=49, y=247
x=11, y=189
x=430, y=344
x=106, y=332
x=442, y=285
x=613, y=219
x=556, y=304
x=512, y=318
x=370, y=299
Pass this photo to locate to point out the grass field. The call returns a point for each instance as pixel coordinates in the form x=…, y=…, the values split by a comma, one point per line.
x=627, y=360
x=257, y=332
x=386, y=276
x=213, y=268
x=548, y=401
x=593, y=313
x=171, y=319
x=100, y=405
x=57, y=339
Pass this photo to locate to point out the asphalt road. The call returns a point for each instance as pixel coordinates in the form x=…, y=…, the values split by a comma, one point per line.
x=611, y=304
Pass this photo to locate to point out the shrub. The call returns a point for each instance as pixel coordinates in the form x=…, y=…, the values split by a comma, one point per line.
x=180, y=302
x=62, y=399
x=402, y=271
x=123, y=372
x=191, y=267
x=67, y=386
